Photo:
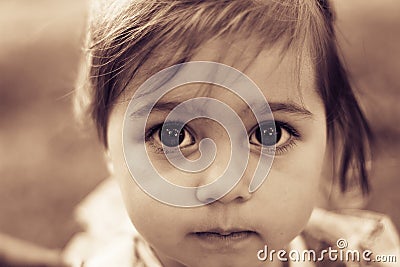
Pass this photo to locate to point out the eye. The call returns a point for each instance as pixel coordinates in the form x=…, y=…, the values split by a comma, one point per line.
x=171, y=134
x=270, y=133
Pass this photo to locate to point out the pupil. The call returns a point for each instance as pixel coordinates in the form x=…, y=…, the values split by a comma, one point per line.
x=172, y=135
x=268, y=134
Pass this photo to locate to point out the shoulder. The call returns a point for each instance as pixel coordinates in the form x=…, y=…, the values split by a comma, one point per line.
x=353, y=230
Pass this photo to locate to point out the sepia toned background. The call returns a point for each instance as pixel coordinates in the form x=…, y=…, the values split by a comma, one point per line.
x=47, y=164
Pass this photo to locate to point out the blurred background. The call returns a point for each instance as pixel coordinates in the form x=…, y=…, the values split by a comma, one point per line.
x=48, y=164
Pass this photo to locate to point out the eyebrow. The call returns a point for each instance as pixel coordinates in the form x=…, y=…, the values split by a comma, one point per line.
x=275, y=107
x=285, y=107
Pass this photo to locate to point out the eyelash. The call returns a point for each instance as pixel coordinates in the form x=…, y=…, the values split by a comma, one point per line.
x=149, y=138
x=294, y=137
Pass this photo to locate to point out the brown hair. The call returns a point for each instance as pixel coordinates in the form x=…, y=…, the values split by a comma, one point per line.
x=124, y=36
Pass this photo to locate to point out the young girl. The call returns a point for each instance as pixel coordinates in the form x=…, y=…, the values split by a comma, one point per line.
x=287, y=137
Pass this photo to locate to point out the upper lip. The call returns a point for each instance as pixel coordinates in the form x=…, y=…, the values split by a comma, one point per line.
x=224, y=231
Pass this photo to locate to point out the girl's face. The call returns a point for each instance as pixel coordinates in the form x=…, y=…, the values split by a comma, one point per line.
x=231, y=230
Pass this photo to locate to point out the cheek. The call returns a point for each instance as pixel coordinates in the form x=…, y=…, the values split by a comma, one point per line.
x=144, y=211
x=288, y=196
x=152, y=218
x=285, y=207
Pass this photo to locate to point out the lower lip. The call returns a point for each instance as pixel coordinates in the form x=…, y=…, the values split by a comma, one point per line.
x=230, y=241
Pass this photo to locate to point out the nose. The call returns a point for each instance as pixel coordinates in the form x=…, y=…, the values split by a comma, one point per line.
x=222, y=191
x=239, y=193
x=228, y=177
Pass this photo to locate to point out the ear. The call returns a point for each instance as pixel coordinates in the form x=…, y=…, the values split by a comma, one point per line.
x=110, y=165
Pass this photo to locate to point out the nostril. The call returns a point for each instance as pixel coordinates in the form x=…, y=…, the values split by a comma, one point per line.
x=210, y=200
x=206, y=195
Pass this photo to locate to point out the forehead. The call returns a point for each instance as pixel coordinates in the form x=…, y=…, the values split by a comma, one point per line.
x=282, y=76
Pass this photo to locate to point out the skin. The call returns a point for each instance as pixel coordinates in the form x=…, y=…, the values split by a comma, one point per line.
x=278, y=211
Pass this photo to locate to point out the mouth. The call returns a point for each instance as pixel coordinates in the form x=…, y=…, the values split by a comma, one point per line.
x=228, y=235
x=220, y=238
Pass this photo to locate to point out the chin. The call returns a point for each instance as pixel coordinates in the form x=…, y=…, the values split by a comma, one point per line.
x=228, y=261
